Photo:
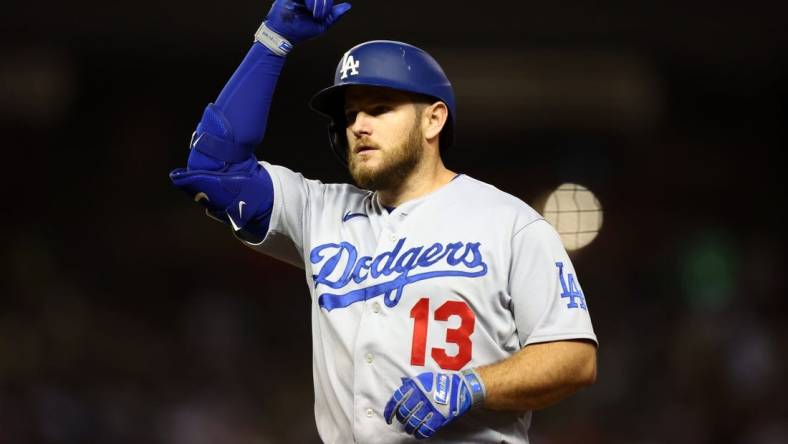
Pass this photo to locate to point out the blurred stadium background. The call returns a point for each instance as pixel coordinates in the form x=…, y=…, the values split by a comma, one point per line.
x=128, y=317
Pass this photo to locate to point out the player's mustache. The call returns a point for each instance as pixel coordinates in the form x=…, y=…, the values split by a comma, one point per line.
x=363, y=142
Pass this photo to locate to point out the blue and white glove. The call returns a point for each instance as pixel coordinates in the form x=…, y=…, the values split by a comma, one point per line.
x=293, y=21
x=429, y=401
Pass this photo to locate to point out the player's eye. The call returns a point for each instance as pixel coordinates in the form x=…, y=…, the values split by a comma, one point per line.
x=350, y=116
x=380, y=109
x=375, y=110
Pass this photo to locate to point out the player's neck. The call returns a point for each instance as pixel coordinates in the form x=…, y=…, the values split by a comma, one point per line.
x=424, y=179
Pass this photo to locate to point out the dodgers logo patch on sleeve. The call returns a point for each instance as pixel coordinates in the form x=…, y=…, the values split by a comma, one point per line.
x=570, y=290
x=442, y=389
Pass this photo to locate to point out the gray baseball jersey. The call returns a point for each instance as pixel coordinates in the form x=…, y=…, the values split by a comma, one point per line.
x=462, y=277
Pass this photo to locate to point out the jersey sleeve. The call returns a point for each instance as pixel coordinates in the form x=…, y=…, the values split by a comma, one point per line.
x=547, y=300
x=286, y=232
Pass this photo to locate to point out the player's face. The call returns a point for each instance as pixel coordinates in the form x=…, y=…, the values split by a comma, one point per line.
x=384, y=136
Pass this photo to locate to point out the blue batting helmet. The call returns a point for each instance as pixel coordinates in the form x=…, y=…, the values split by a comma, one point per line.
x=387, y=64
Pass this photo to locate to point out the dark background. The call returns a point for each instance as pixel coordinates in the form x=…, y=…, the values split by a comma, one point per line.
x=128, y=317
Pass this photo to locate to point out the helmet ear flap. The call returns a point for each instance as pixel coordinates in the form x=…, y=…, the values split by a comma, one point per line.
x=338, y=141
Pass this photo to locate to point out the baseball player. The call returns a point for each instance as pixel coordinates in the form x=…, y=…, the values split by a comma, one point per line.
x=442, y=307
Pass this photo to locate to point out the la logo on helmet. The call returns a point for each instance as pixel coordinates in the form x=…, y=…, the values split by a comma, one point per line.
x=349, y=63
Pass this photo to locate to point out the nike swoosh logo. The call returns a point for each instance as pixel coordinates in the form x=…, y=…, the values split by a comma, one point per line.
x=350, y=215
x=232, y=222
x=241, y=209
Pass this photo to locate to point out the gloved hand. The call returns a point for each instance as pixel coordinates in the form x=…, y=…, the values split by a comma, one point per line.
x=429, y=401
x=298, y=20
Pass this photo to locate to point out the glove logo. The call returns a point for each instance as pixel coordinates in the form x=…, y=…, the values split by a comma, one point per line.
x=349, y=63
x=442, y=390
x=241, y=209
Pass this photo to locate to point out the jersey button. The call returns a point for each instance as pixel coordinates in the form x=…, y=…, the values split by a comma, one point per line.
x=376, y=308
x=370, y=413
x=393, y=238
x=370, y=358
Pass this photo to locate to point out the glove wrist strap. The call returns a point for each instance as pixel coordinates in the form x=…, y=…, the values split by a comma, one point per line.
x=475, y=385
x=273, y=41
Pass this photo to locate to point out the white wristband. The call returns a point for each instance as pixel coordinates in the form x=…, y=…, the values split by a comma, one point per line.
x=476, y=386
x=273, y=41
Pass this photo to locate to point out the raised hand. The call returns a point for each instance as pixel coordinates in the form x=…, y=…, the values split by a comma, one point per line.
x=298, y=20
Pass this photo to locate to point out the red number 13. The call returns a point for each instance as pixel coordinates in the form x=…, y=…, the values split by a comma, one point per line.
x=460, y=335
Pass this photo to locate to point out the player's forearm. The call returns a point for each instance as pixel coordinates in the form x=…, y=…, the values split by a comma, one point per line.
x=246, y=98
x=539, y=375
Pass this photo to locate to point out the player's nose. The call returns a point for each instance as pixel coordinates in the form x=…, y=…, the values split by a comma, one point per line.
x=362, y=125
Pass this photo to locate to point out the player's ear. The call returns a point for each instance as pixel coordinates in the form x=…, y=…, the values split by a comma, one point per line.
x=433, y=119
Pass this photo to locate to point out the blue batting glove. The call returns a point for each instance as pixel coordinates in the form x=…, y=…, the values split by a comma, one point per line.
x=298, y=20
x=429, y=401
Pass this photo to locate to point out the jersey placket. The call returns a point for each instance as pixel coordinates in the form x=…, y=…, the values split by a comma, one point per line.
x=368, y=415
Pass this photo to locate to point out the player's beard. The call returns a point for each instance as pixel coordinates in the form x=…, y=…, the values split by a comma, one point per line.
x=397, y=164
